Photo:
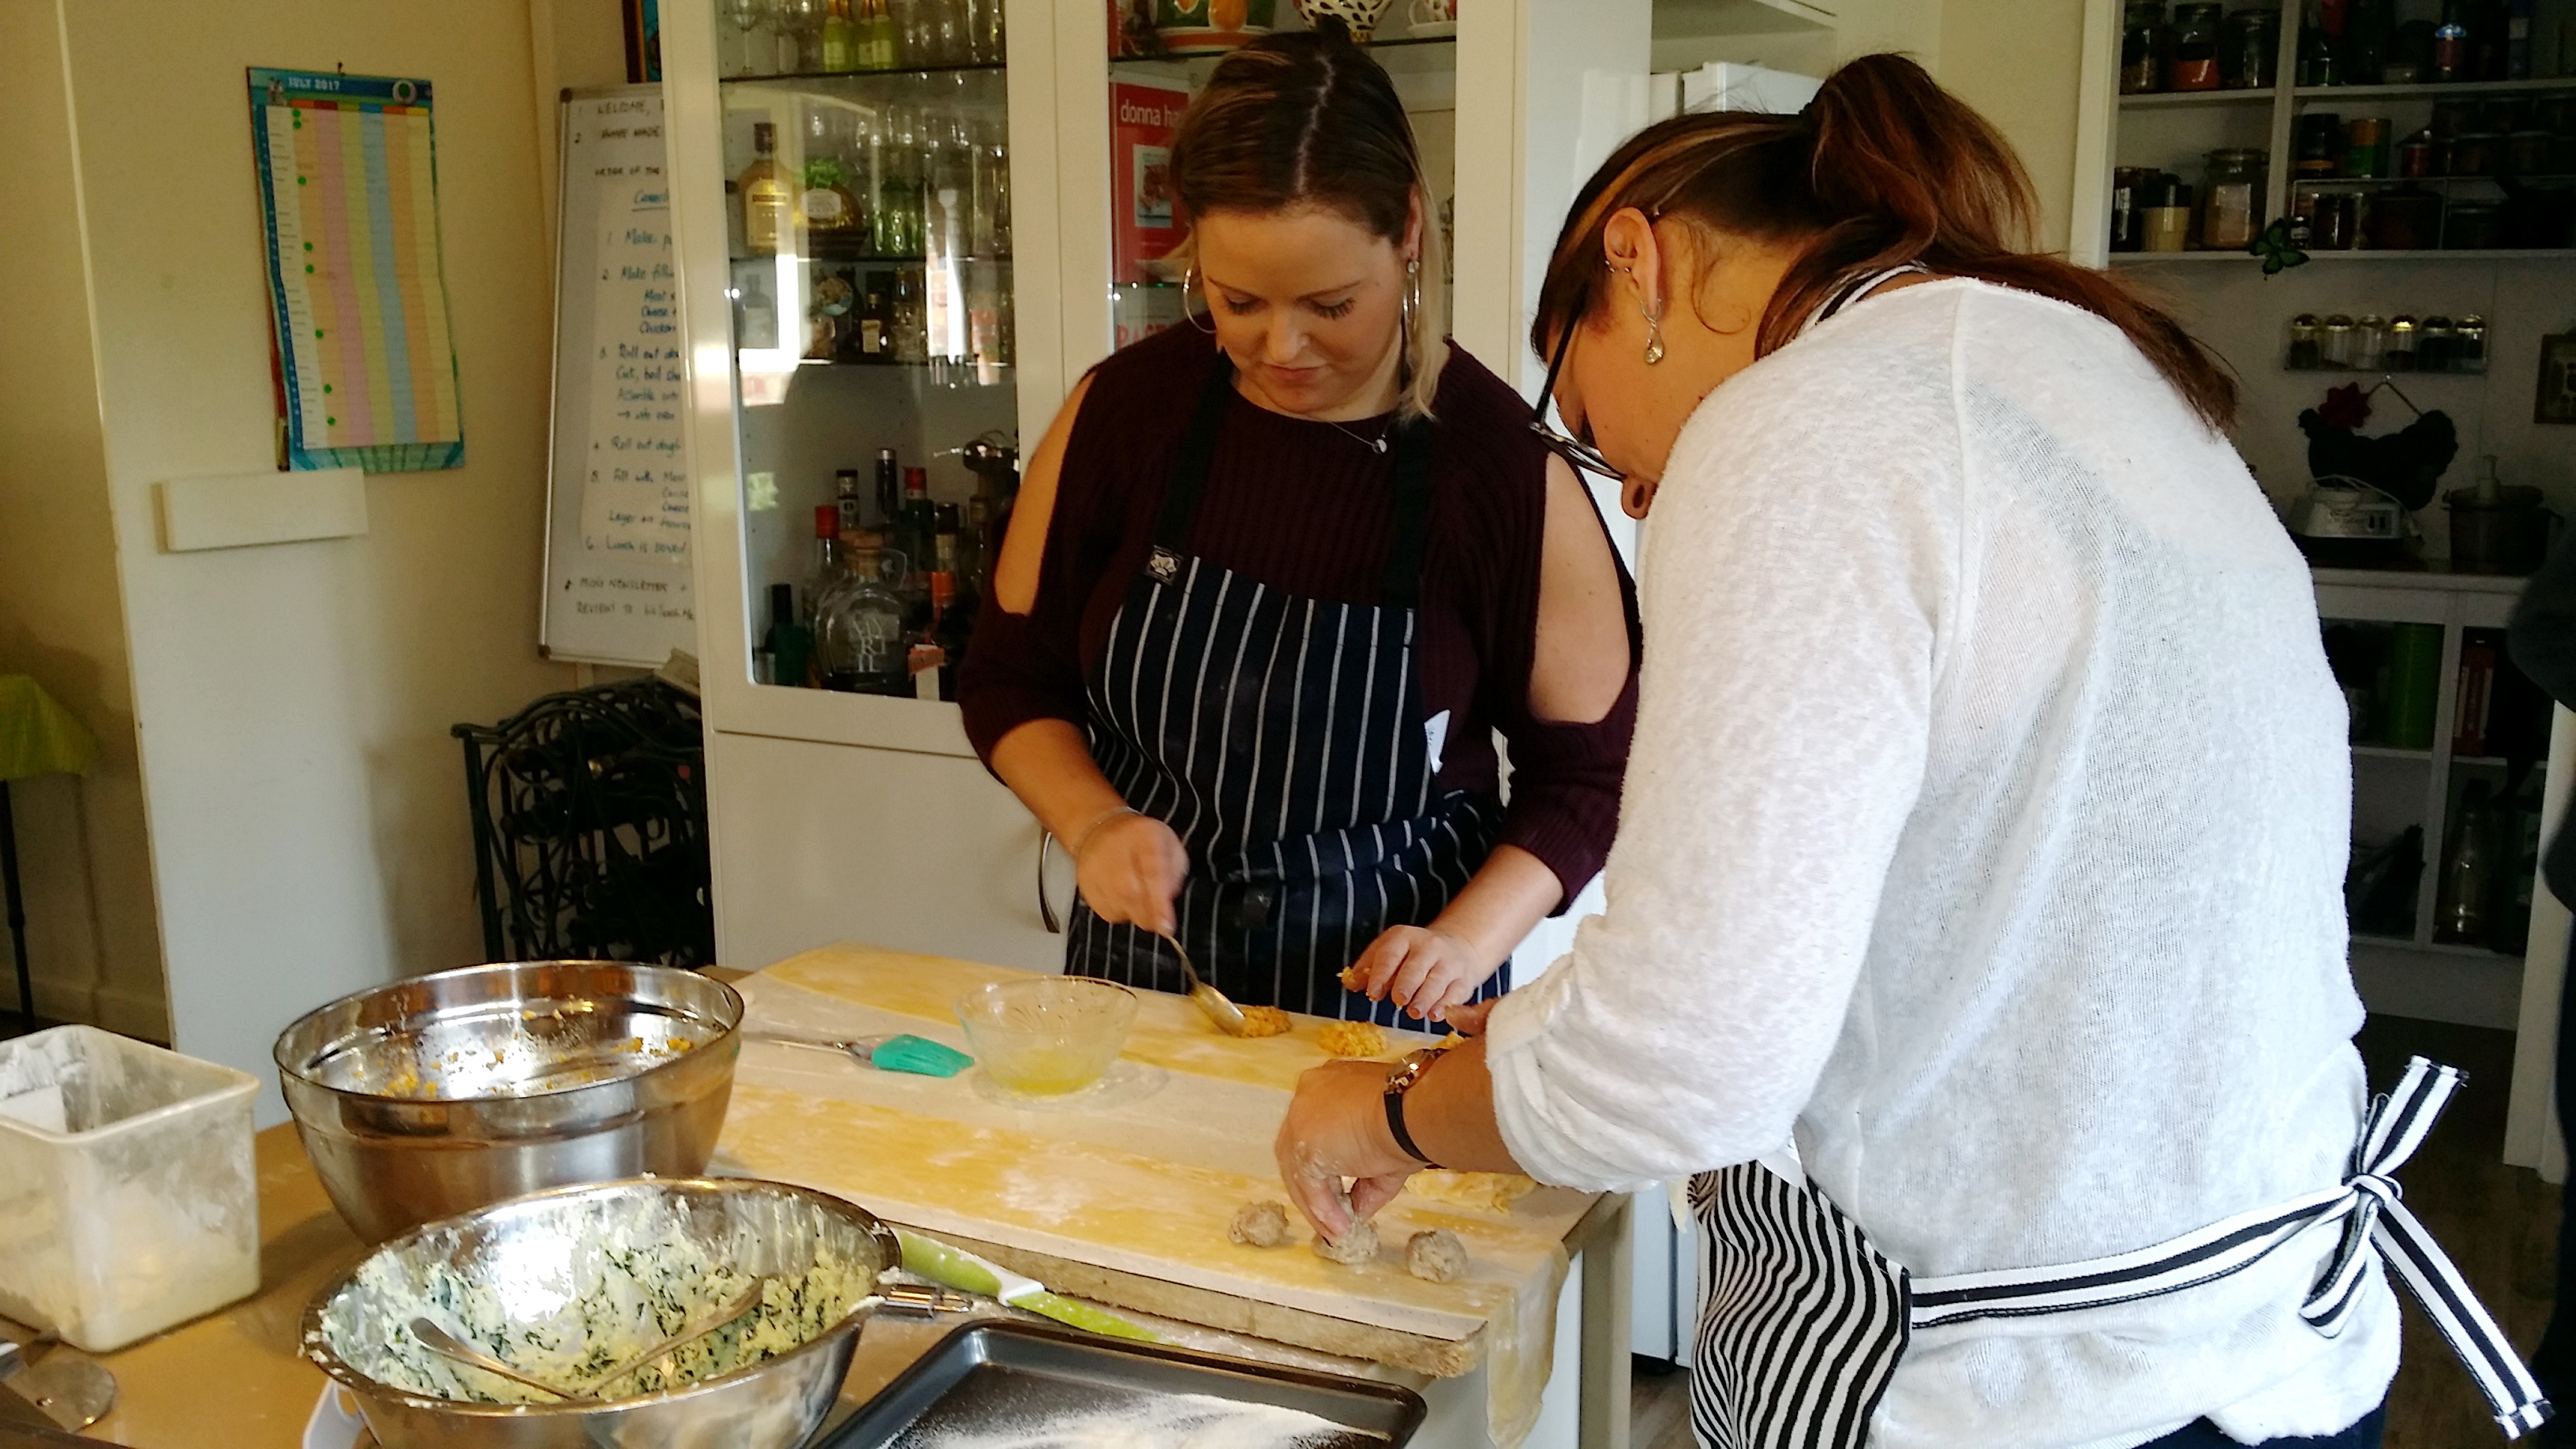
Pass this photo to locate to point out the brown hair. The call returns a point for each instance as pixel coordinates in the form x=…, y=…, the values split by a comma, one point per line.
x=1882, y=169
x=1306, y=118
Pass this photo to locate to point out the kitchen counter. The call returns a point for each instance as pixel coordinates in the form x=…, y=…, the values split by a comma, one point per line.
x=235, y=1377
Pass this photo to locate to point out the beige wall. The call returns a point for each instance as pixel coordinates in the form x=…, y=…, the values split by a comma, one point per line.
x=83, y=853
x=305, y=800
x=2016, y=61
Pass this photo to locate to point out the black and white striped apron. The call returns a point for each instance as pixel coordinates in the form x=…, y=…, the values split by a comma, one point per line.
x=1804, y=1320
x=1283, y=740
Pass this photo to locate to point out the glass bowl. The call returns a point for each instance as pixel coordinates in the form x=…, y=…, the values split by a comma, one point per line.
x=1048, y=1035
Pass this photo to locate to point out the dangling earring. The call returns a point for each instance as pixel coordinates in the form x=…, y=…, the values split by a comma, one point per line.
x=1412, y=300
x=1189, y=279
x=1654, y=335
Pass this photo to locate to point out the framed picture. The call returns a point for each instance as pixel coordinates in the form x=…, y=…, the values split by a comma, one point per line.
x=643, y=40
x=2556, y=402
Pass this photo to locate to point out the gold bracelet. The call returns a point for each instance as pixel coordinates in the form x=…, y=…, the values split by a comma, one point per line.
x=1083, y=836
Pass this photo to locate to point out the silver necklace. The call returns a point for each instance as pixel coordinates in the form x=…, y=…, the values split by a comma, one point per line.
x=1374, y=445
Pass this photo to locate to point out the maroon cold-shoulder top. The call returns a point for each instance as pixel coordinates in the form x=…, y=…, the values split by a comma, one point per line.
x=1307, y=508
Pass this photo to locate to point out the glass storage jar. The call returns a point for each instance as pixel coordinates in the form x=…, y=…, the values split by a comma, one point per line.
x=2195, y=46
x=2335, y=341
x=2369, y=342
x=2146, y=46
x=2398, y=353
x=2232, y=199
x=2250, y=46
x=2303, y=355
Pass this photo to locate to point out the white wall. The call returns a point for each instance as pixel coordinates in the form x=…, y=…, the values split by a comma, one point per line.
x=305, y=801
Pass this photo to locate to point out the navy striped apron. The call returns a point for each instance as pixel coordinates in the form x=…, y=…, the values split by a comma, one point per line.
x=1804, y=1321
x=1282, y=738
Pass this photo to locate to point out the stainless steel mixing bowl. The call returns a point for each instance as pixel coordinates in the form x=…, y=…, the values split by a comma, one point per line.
x=542, y=1252
x=432, y=1096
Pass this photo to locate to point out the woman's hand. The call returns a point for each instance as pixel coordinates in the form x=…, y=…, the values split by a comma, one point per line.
x=1423, y=969
x=1130, y=871
x=1336, y=1129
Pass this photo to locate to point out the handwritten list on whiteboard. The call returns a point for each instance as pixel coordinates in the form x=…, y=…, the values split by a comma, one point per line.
x=617, y=553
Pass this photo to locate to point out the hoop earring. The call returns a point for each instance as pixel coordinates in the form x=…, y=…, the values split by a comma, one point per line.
x=1189, y=278
x=1654, y=335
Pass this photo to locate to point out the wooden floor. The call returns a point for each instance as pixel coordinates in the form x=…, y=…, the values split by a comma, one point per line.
x=2500, y=1224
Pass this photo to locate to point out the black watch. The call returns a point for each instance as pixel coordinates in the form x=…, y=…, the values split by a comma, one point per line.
x=1408, y=1072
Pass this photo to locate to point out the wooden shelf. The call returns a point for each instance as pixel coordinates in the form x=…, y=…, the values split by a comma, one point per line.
x=802, y=76
x=2317, y=183
x=2391, y=752
x=2157, y=259
x=2160, y=100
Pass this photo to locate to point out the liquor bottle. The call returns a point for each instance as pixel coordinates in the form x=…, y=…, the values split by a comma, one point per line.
x=790, y=644
x=971, y=564
x=875, y=315
x=860, y=642
x=2318, y=63
x=889, y=490
x=895, y=229
x=917, y=531
x=880, y=27
x=2451, y=43
x=841, y=39
x=755, y=313
x=948, y=546
x=2468, y=872
x=829, y=567
x=928, y=658
x=849, y=508
x=768, y=196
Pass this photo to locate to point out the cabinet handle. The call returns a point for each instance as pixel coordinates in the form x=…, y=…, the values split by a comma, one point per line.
x=1046, y=908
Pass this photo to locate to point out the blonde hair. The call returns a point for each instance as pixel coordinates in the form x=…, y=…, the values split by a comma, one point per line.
x=1306, y=118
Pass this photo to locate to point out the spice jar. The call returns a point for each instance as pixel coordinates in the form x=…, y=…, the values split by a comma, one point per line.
x=2128, y=208
x=2398, y=353
x=2335, y=341
x=2406, y=219
x=2146, y=47
x=2366, y=146
x=2304, y=354
x=2415, y=156
x=2249, y=49
x=2232, y=199
x=2475, y=153
x=2472, y=225
x=2168, y=214
x=2369, y=342
x=2195, y=47
x=2469, y=344
x=2433, y=345
x=2317, y=144
x=2332, y=228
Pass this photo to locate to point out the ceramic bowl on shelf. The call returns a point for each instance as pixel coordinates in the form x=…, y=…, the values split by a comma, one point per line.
x=1361, y=16
x=1047, y=1035
x=1202, y=26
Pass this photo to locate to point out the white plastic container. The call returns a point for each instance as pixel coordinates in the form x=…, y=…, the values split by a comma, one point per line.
x=128, y=1198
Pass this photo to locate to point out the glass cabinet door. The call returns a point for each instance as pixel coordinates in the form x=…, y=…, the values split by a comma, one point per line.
x=1161, y=52
x=868, y=225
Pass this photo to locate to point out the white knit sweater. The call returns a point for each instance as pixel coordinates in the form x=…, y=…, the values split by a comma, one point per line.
x=1986, y=824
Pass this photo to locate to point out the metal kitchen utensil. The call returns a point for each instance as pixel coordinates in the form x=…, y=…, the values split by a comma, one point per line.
x=439, y=1094
x=753, y=1227
x=1227, y=1016
x=990, y=1375
x=447, y=1345
x=70, y=1393
x=896, y=1052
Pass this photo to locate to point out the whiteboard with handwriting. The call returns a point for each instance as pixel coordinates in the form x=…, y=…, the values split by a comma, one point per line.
x=617, y=491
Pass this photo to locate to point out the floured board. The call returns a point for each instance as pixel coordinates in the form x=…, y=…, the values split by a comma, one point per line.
x=1141, y=1182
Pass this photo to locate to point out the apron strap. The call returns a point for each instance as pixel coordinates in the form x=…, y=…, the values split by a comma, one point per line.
x=1401, y=583
x=2375, y=1223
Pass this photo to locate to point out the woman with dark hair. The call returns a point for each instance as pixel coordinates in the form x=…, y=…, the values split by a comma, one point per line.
x=1975, y=939
x=1277, y=577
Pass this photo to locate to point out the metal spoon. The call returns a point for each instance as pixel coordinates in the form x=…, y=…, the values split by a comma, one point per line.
x=447, y=1345
x=1227, y=1016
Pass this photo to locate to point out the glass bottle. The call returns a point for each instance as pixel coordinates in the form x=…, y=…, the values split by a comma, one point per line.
x=829, y=568
x=2468, y=872
x=911, y=323
x=2304, y=355
x=897, y=219
x=889, y=489
x=916, y=531
x=2369, y=342
x=840, y=38
x=2195, y=47
x=2399, y=353
x=2318, y=63
x=789, y=644
x=2469, y=343
x=768, y=201
x=827, y=204
x=2143, y=47
x=2433, y=345
x=2335, y=342
x=860, y=641
x=849, y=510
x=2232, y=199
x=883, y=47
x=2451, y=43
x=986, y=33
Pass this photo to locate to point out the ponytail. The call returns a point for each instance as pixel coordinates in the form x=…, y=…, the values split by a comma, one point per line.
x=1883, y=169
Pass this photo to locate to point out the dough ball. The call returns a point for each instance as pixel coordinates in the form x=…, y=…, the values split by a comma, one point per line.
x=1352, y=1039
x=1259, y=1225
x=1436, y=1256
x=1264, y=1021
x=1359, y=1245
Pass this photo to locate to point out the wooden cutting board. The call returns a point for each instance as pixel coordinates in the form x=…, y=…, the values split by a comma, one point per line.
x=1136, y=1179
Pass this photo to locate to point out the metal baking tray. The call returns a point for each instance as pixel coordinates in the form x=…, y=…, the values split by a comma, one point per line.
x=1006, y=1383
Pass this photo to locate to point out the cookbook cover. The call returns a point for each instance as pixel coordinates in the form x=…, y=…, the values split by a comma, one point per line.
x=1145, y=221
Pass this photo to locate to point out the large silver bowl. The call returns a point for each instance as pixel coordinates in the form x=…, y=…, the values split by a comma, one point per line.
x=547, y=1252
x=438, y=1094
